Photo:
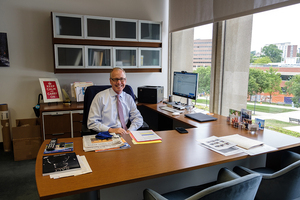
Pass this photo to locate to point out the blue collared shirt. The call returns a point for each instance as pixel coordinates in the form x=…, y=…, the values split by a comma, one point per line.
x=104, y=114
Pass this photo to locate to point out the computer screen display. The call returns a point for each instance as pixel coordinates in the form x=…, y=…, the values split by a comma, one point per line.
x=185, y=84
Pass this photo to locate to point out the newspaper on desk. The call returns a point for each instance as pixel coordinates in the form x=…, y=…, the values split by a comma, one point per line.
x=91, y=143
x=234, y=144
x=220, y=146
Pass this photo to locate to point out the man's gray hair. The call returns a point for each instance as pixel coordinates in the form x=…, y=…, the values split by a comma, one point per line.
x=117, y=68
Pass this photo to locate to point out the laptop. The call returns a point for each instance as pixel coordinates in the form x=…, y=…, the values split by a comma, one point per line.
x=200, y=117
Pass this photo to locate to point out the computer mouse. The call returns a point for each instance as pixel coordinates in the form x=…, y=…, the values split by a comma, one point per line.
x=175, y=113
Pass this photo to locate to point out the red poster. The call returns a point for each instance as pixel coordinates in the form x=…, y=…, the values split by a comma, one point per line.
x=51, y=90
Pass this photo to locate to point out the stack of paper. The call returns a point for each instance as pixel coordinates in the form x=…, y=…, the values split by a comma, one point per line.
x=233, y=144
x=78, y=90
x=84, y=169
x=144, y=137
x=64, y=165
x=220, y=146
x=91, y=143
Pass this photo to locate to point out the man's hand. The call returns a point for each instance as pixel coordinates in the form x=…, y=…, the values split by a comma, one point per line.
x=118, y=131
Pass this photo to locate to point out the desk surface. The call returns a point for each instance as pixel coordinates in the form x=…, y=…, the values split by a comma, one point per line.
x=177, y=153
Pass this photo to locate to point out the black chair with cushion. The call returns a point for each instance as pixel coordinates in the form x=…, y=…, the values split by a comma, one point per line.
x=280, y=182
x=89, y=95
x=229, y=186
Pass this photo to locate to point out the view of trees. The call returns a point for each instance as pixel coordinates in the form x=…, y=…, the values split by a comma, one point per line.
x=269, y=54
x=272, y=52
x=293, y=87
x=204, y=80
x=258, y=81
x=274, y=82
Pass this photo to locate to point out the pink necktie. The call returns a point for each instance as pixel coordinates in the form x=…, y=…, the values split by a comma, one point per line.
x=120, y=112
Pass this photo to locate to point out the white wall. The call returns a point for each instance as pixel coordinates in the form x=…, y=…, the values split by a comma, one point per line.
x=28, y=27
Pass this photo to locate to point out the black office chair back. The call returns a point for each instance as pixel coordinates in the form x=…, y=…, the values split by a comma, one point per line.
x=91, y=92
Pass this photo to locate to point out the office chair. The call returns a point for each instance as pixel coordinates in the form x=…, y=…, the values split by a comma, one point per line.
x=89, y=95
x=282, y=184
x=229, y=186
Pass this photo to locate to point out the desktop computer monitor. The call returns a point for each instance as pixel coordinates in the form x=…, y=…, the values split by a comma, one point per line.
x=185, y=84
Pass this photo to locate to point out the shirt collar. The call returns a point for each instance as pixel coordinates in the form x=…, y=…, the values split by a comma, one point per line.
x=113, y=93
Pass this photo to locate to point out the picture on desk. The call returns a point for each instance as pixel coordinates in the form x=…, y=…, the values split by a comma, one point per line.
x=246, y=114
x=260, y=123
x=235, y=116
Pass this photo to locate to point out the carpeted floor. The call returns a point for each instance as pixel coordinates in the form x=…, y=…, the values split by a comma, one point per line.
x=17, y=180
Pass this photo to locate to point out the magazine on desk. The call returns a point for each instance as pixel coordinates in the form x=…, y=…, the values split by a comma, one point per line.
x=220, y=146
x=144, y=136
x=59, y=163
x=234, y=144
x=67, y=148
x=91, y=143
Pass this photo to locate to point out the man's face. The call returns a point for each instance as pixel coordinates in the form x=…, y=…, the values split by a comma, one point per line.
x=117, y=84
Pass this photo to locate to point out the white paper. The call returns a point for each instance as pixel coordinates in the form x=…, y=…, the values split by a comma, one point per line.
x=146, y=135
x=242, y=141
x=230, y=150
x=116, y=141
x=84, y=165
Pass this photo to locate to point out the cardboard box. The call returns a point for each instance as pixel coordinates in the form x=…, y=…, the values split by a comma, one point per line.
x=26, y=139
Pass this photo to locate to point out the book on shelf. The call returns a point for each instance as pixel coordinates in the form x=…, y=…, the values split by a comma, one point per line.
x=144, y=137
x=78, y=90
x=91, y=143
x=67, y=148
x=60, y=163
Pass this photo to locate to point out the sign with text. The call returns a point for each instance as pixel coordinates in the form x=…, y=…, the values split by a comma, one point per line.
x=51, y=90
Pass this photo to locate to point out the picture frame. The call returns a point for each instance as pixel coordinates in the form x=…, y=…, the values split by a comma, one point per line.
x=51, y=90
x=4, y=56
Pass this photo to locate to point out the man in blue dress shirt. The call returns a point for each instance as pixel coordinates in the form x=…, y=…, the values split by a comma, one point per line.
x=103, y=115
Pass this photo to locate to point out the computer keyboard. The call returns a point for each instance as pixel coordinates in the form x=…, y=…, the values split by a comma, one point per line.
x=166, y=108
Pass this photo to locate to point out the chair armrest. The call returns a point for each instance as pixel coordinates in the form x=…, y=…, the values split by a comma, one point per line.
x=225, y=175
x=144, y=126
x=152, y=195
x=243, y=171
x=289, y=158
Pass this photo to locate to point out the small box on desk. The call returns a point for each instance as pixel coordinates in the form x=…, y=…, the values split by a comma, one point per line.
x=26, y=139
x=150, y=94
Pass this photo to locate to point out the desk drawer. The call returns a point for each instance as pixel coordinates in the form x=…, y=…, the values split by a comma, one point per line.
x=77, y=117
x=57, y=123
x=58, y=135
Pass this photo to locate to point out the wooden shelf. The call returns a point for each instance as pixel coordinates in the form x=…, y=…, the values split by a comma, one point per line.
x=106, y=43
x=85, y=70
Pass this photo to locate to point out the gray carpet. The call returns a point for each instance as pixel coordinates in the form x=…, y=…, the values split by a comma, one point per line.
x=17, y=180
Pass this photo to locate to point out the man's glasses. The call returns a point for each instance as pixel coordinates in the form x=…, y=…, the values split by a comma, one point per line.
x=118, y=79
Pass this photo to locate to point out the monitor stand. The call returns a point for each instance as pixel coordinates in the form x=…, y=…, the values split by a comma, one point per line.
x=181, y=107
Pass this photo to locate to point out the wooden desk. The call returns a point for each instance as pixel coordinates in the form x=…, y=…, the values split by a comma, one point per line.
x=142, y=162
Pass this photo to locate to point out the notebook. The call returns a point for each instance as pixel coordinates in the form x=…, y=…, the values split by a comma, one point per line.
x=200, y=117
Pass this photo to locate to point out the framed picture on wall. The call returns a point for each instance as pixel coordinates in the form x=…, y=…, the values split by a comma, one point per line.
x=4, y=60
x=51, y=90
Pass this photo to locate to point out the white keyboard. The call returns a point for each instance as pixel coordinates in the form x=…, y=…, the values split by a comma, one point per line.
x=166, y=108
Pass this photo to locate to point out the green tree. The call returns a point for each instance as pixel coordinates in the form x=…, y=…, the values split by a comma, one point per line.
x=252, y=56
x=272, y=52
x=258, y=81
x=204, y=79
x=293, y=87
x=263, y=60
x=274, y=81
